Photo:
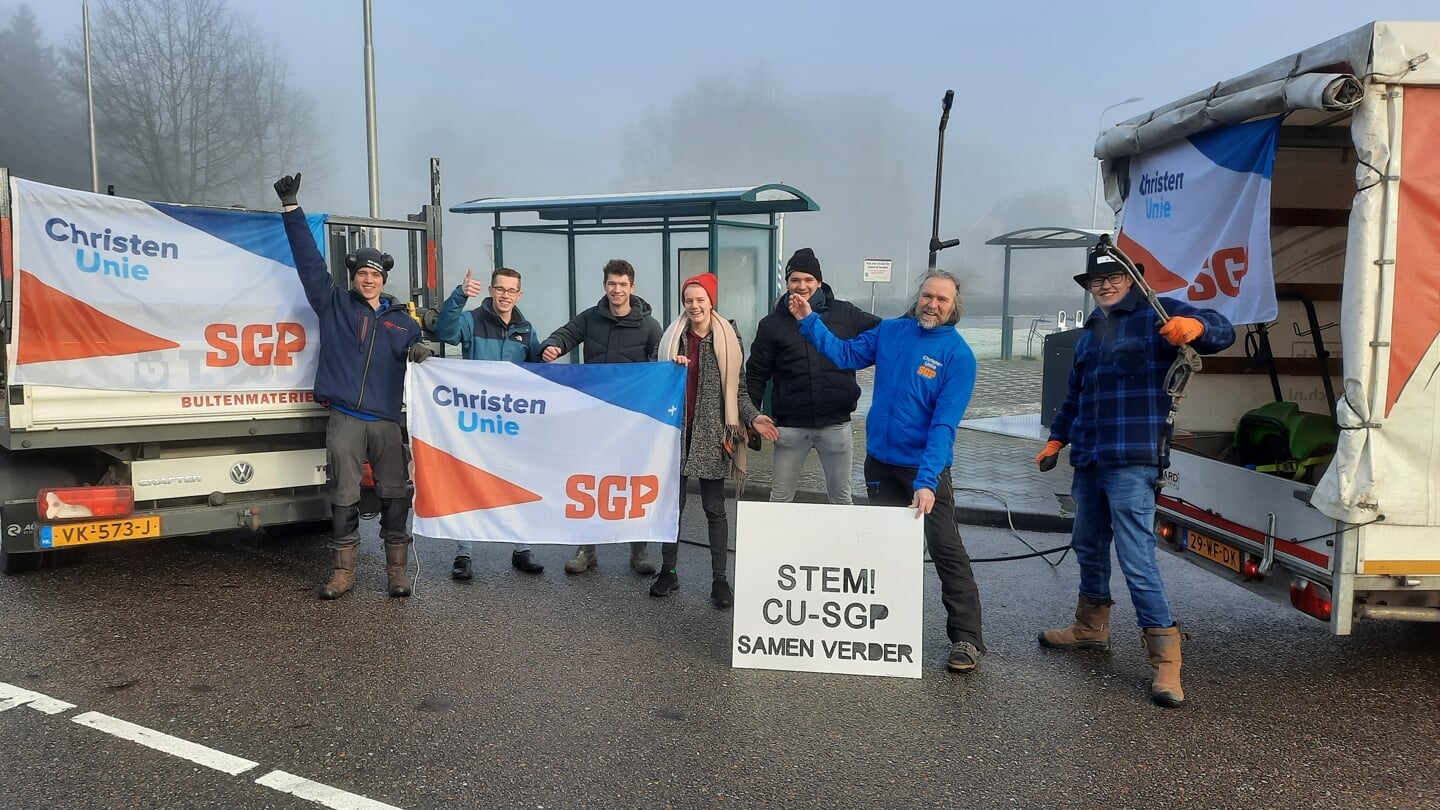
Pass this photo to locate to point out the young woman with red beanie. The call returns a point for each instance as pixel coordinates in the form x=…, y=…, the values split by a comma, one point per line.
x=717, y=413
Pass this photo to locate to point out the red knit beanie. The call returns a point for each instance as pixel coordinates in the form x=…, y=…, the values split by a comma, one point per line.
x=708, y=282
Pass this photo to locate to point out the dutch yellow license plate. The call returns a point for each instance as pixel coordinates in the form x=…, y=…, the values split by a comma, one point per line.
x=99, y=531
x=1212, y=549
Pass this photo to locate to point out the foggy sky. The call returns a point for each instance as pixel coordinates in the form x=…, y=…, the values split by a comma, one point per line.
x=520, y=99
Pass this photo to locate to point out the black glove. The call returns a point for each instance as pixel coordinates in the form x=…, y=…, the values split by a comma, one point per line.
x=419, y=352
x=287, y=187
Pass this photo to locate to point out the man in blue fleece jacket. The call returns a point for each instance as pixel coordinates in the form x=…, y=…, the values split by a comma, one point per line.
x=924, y=375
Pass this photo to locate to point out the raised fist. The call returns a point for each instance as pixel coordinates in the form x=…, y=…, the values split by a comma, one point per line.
x=287, y=187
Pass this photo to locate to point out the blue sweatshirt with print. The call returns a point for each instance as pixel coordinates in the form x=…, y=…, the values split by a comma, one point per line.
x=923, y=382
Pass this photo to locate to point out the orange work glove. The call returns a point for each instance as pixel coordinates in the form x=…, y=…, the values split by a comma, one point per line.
x=1051, y=454
x=1180, y=330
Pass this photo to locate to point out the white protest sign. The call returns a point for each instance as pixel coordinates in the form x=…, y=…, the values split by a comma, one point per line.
x=828, y=588
x=877, y=270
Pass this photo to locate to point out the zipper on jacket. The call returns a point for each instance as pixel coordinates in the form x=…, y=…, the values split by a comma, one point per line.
x=369, y=353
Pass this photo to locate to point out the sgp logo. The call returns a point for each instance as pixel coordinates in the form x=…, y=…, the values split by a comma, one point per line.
x=1221, y=274
x=256, y=344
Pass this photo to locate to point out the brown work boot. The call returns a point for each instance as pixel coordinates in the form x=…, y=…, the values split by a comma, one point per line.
x=583, y=561
x=1164, y=646
x=342, y=579
x=397, y=568
x=1091, y=630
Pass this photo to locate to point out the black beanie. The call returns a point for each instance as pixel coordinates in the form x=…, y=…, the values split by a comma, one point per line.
x=804, y=260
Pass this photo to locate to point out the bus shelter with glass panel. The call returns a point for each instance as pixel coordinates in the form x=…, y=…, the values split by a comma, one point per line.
x=667, y=235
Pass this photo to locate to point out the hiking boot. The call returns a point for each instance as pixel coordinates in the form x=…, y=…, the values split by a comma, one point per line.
x=665, y=584
x=461, y=569
x=1163, y=644
x=639, y=563
x=721, y=594
x=584, y=561
x=525, y=561
x=1091, y=630
x=397, y=568
x=342, y=579
x=963, y=656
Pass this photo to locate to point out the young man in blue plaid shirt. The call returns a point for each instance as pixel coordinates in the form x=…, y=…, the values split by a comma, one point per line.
x=1112, y=419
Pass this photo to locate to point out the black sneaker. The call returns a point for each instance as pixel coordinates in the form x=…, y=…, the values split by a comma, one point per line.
x=525, y=561
x=665, y=584
x=461, y=568
x=721, y=594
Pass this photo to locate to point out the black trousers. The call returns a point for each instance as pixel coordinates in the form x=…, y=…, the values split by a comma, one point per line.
x=891, y=485
x=712, y=499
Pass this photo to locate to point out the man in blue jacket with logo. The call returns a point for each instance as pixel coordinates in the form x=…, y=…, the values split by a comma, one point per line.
x=495, y=330
x=924, y=376
x=365, y=339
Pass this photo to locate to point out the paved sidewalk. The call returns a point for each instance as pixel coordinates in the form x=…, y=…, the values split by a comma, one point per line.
x=996, y=480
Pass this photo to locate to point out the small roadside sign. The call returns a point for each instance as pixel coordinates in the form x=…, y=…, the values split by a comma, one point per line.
x=877, y=270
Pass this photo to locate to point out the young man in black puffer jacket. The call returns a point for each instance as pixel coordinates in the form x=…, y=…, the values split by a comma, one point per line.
x=812, y=400
x=619, y=329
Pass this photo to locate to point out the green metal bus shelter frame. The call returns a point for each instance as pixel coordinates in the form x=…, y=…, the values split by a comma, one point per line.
x=656, y=212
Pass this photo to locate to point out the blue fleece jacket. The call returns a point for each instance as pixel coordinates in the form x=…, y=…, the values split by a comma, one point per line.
x=362, y=352
x=923, y=382
x=480, y=333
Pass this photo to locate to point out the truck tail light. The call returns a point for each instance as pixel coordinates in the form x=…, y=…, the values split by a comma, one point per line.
x=75, y=503
x=1167, y=531
x=1250, y=569
x=1310, y=598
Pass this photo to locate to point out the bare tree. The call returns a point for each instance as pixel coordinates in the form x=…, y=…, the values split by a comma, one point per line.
x=42, y=137
x=189, y=106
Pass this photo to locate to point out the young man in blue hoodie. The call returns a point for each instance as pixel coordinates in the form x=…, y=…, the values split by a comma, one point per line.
x=495, y=330
x=924, y=376
x=365, y=339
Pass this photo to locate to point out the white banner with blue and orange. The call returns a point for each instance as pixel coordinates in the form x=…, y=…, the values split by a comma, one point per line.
x=124, y=295
x=1198, y=217
x=546, y=453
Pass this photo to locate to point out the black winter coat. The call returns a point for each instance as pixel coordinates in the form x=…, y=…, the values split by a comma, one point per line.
x=809, y=391
x=634, y=338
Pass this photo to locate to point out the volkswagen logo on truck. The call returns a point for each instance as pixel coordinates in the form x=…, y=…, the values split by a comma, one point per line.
x=242, y=472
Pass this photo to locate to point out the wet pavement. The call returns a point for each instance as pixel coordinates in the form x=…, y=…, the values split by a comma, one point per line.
x=994, y=474
x=559, y=691
x=582, y=691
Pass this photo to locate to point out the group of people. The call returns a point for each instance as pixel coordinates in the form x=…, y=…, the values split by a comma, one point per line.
x=806, y=351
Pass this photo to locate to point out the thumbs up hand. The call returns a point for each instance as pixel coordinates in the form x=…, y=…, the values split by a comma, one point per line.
x=471, y=285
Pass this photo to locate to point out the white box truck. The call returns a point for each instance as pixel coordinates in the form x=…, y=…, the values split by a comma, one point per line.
x=1306, y=461
x=114, y=448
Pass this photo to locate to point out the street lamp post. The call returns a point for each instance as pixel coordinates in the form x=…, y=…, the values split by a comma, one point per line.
x=1095, y=187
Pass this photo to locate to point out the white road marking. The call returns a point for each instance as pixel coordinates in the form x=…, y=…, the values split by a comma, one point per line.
x=13, y=696
x=320, y=794
x=196, y=753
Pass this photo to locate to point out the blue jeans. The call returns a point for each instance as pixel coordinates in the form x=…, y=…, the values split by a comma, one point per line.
x=833, y=443
x=1119, y=503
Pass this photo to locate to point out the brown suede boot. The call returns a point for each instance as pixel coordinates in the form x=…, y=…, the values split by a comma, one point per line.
x=1164, y=646
x=397, y=568
x=342, y=579
x=1091, y=630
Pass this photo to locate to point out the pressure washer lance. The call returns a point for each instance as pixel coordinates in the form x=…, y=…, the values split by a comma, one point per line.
x=1187, y=360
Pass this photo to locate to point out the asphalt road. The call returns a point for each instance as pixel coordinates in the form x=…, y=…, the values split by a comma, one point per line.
x=568, y=692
